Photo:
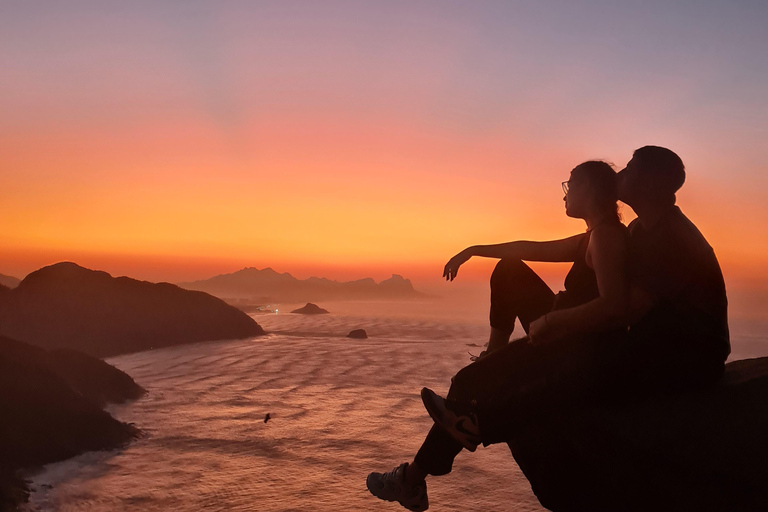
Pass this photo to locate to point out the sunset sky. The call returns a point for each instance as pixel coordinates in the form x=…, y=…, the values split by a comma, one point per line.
x=178, y=140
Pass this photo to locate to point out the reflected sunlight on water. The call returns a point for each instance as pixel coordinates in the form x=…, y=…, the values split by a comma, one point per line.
x=340, y=408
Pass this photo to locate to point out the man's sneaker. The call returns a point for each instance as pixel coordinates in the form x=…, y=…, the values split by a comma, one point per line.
x=391, y=486
x=460, y=424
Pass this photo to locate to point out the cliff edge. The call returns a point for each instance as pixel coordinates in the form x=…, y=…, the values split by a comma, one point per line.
x=706, y=452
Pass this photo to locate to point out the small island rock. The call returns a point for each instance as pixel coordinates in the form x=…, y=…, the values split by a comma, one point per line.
x=310, y=309
x=358, y=334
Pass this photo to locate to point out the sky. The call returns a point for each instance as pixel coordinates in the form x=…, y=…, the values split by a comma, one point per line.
x=346, y=139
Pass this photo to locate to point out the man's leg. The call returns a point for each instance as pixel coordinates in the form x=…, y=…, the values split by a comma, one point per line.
x=553, y=380
x=648, y=368
x=436, y=455
x=516, y=293
x=494, y=399
x=479, y=382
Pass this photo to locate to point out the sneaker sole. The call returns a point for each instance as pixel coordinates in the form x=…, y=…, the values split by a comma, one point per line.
x=434, y=413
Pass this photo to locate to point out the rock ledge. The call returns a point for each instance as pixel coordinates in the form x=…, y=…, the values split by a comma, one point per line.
x=706, y=452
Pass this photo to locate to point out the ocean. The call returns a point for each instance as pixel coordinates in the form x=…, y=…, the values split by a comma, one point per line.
x=339, y=408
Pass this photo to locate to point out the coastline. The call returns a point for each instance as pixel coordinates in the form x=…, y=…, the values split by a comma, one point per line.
x=274, y=376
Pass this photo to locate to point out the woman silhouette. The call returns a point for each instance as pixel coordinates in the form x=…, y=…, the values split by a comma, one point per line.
x=510, y=383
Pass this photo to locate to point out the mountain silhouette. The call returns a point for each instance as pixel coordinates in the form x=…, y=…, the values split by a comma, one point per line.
x=68, y=306
x=271, y=286
x=8, y=281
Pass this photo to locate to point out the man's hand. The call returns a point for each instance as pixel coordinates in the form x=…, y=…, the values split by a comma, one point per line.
x=452, y=267
x=540, y=332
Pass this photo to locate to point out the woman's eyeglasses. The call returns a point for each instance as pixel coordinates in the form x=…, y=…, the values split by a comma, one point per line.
x=565, y=187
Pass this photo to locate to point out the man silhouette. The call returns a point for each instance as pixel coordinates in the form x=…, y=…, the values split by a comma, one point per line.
x=678, y=336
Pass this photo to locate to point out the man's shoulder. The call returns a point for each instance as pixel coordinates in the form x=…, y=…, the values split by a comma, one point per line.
x=674, y=227
x=674, y=243
x=685, y=231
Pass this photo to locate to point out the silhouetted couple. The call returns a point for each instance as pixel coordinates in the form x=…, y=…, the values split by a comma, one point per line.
x=644, y=312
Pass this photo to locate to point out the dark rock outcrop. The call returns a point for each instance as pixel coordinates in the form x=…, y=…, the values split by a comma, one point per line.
x=50, y=409
x=706, y=452
x=13, y=489
x=68, y=306
x=92, y=378
x=358, y=334
x=96, y=380
x=270, y=286
x=311, y=309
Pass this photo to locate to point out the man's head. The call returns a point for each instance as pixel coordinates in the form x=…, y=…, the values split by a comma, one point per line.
x=652, y=177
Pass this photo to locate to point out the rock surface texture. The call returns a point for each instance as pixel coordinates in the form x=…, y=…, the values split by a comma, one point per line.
x=703, y=452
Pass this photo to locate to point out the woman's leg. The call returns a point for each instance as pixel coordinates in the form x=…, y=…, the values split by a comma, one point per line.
x=516, y=293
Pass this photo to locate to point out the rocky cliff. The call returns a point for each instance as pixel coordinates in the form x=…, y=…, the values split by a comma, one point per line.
x=706, y=452
x=50, y=410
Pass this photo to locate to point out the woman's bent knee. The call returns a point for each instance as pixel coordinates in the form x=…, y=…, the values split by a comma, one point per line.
x=509, y=266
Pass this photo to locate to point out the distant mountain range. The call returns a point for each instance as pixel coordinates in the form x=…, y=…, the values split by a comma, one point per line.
x=270, y=286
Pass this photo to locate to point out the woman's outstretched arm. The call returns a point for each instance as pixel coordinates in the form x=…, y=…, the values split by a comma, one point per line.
x=553, y=250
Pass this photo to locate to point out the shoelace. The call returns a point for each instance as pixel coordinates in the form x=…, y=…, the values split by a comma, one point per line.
x=473, y=357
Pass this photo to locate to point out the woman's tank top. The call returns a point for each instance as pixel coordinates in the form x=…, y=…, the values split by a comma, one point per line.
x=581, y=281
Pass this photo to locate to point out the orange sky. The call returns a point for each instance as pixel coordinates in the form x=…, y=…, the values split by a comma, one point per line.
x=361, y=139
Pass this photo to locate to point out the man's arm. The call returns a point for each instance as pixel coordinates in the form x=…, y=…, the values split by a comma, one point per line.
x=553, y=250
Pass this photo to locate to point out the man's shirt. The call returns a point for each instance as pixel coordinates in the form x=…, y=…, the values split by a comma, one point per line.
x=674, y=264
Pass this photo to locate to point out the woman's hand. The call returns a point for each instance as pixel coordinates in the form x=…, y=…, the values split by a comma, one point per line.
x=452, y=267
